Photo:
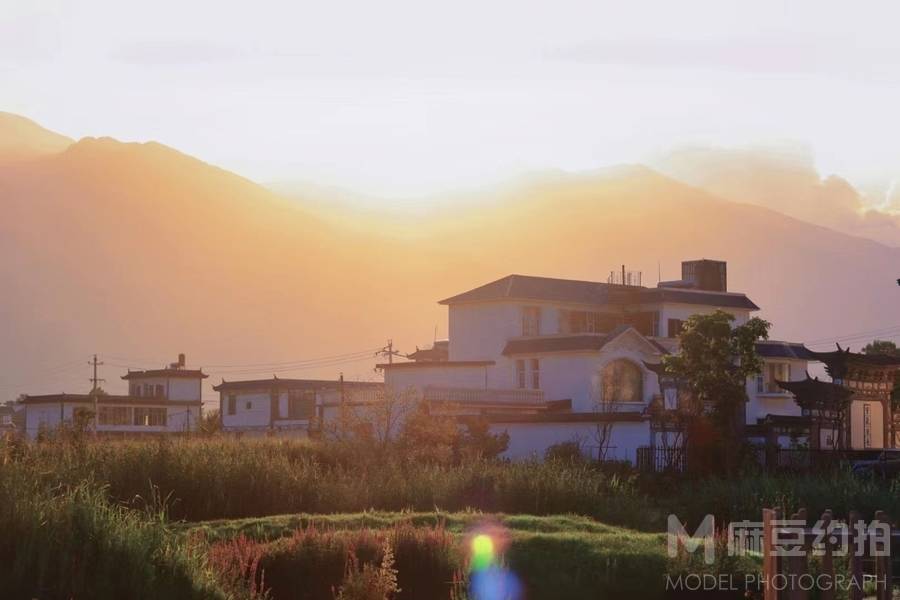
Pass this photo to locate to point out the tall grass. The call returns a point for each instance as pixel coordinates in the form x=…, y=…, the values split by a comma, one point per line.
x=227, y=479
x=70, y=542
x=233, y=479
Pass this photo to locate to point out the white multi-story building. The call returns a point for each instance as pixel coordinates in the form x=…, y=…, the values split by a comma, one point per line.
x=287, y=407
x=159, y=401
x=547, y=360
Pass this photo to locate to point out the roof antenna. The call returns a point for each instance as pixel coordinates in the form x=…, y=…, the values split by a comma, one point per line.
x=435, y=335
x=658, y=272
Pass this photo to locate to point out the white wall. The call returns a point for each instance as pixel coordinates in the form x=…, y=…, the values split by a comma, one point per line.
x=181, y=418
x=480, y=331
x=400, y=379
x=857, y=422
x=527, y=440
x=760, y=405
x=256, y=416
x=47, y=416
x=176, y=388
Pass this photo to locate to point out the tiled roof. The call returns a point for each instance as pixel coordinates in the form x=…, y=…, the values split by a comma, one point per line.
x=526, y=287
x=438, y=352
x=537, y=288
x=293, y=384
x=181, y=373
x=104, y=399
x=777, y=349
x=569, y=343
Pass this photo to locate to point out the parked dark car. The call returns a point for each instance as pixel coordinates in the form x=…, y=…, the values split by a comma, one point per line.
x=884, y=465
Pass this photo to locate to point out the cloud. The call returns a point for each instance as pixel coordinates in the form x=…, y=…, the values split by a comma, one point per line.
x=176, y=52
x=784, y=179
x=765, y=54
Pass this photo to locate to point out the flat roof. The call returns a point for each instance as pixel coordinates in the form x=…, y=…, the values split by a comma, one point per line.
x=293, y=384
x=435, y=363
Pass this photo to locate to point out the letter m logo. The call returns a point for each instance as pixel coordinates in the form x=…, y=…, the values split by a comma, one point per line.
x=678, y=536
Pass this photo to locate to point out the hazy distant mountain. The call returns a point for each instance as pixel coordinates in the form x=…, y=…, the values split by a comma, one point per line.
x=137, y=252
x=23, y=138
x=785, y=180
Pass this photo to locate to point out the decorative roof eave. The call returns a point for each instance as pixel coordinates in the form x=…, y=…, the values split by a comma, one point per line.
x=838, y=361
x=812, y=393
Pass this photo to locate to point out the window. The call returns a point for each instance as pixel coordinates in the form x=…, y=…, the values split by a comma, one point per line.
x=582, y=321
x=148, y=390
x=535, y=374
x=301, y=404
x=249, y=405
x=160, y=392
x=531, y=320
x=772, y=373
x=232, y=404
x=622, y=381
x=149, y=417
x=115, y=415
x=675, y=326
x=520, y=374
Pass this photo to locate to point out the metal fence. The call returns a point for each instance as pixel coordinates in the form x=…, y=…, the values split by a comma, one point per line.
x=660, y=460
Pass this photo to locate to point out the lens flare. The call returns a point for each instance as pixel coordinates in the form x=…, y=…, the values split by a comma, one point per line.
x=488, y=578
x=482, y=552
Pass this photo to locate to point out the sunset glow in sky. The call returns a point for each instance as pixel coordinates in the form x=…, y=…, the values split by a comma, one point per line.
x=407, y=97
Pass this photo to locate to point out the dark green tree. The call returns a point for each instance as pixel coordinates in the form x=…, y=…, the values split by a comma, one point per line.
x=713, y=364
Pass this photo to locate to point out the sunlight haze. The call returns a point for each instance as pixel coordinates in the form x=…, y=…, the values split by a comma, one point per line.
x=407, y=98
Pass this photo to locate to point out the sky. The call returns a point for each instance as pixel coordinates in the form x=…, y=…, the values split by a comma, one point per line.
x=409, y=97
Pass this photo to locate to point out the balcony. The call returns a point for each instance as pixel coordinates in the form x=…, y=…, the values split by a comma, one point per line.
x=458, y=395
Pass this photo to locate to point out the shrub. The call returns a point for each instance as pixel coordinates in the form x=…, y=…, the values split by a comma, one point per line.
x=312, y=563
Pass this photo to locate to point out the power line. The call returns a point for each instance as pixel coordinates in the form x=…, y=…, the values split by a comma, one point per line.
x=293, y=362
x=331, y=363
x=872, y=333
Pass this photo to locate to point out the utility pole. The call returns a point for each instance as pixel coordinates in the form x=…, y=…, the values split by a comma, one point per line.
x=95, y=388
x=389, y=352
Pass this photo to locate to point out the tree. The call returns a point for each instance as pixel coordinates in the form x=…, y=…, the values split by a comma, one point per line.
x=603, y=429
x=427, y=437
x=713, y=365
x=476, y=441
x=210, y=422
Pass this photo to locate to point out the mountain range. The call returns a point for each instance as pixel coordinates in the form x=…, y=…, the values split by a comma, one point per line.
x=138, y=252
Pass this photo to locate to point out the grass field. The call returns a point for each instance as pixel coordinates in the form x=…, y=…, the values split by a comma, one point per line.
x=561, y=556
x=209, y=518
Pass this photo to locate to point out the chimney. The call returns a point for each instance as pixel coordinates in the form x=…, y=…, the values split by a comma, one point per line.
x=705, y=274
x=181, y=361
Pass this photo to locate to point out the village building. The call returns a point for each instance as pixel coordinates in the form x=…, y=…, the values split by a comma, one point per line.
x=159, y=401
x=288, y=407
x=556, y=360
